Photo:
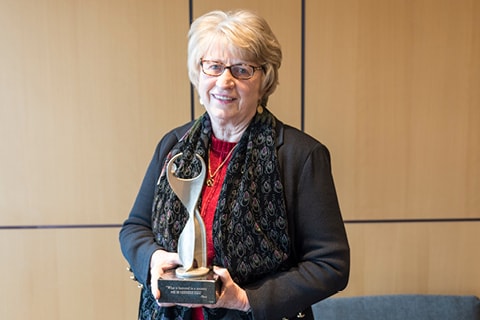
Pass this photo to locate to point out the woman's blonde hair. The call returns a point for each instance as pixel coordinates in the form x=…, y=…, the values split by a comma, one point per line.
x=243, y=34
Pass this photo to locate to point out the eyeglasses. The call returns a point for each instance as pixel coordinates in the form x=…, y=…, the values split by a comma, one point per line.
x=239, y=71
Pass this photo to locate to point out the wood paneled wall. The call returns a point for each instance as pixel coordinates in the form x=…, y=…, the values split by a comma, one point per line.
x=88, y=87
x=402, y=80
x=393, y=89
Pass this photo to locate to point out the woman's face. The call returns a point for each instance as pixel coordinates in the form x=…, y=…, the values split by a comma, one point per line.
x=230, y=102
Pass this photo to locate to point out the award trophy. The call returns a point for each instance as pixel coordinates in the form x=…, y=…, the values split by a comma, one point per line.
x=193, y=282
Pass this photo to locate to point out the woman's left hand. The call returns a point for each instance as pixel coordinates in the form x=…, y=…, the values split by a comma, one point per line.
x=231, y=295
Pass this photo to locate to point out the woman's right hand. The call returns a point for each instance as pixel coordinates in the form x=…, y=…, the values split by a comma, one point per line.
x=160, y=262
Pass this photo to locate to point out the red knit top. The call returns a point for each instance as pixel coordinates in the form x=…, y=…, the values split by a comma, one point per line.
x=219, y=150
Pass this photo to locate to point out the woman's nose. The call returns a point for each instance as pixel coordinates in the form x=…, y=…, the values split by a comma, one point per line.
x=226, y=79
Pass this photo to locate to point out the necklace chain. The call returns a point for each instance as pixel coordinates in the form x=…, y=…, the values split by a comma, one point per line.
x=211, y=178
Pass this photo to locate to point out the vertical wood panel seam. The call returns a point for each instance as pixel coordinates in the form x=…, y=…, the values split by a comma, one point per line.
x=302, y=68
x=192, y=95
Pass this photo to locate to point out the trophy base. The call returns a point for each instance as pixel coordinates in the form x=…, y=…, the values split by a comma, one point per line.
x=191, y=289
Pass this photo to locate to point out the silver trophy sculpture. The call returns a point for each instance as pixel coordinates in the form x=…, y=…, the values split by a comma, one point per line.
x=193, y=282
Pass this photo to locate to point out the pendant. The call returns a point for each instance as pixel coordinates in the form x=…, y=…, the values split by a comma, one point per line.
x=210, y=182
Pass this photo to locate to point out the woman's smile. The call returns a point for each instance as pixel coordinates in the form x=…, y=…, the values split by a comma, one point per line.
x=223, y=98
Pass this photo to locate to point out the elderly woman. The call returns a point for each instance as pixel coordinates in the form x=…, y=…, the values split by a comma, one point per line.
x=275, y=235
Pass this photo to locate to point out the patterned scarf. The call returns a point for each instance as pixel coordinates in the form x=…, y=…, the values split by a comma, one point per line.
x=250, y=231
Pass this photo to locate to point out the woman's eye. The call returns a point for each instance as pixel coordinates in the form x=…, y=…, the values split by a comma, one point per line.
x=215, y=67
x=242, y=70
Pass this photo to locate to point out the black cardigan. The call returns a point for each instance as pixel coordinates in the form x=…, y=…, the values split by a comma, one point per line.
x=320, y=261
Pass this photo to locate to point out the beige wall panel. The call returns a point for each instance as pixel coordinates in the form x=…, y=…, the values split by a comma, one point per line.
x=73, y=274
x=86, y=90
x=408, y=258
x=284, y=17
x=392, y=89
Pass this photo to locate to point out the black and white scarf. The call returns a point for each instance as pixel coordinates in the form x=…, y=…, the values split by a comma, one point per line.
x=250, y=231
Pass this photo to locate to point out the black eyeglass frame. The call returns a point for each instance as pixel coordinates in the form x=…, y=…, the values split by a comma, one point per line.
x=225, y=67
